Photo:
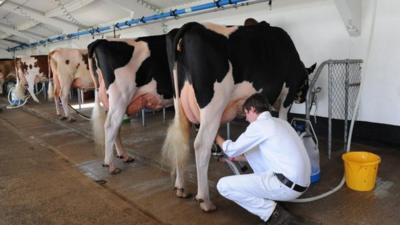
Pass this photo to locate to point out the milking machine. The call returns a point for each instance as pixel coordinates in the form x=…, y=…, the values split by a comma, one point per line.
x=236, y=167
x=306, y=132
x=16, y=95
x=15, y=99
x=217, y=153
x=310, y=141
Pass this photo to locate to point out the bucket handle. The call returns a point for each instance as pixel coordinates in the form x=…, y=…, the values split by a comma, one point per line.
x=308, y=122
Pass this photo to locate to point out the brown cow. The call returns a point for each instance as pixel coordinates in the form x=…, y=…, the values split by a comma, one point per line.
x=31, y=70
x=69, y=68
x=7, y=72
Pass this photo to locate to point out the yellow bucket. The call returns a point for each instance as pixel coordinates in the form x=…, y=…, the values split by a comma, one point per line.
x=360, y=170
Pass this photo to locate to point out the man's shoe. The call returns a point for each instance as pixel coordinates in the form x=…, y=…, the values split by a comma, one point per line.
x=280, y=216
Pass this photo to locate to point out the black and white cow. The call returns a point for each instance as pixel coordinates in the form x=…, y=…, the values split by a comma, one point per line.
x=215, y=69
x=130, y=74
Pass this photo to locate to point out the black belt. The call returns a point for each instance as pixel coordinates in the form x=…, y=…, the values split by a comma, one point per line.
x=289, y=183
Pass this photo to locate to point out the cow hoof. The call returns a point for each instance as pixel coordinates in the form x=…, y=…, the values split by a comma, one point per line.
x=62, y=118
x=180, y=193
x=207, y=206
x=115, y=171
x=71, y=120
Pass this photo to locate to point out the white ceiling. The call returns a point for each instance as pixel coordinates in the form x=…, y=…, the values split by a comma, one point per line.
x=25, y=21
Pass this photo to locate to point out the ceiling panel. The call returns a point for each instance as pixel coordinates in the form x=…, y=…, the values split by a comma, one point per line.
x=14, y=39
x=96, y=13
x=13, y=19
x=37, y=5
x=170, y=3
x=3, y=12
x=43, y=30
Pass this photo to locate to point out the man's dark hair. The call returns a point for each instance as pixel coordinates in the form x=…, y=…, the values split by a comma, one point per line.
x=258, y=101
x=250, y=22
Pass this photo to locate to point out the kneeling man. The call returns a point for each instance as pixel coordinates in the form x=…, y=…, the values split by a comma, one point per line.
x=278, y=158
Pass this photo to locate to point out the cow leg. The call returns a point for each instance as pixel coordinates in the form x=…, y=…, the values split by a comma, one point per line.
x=182, y=129
x=283, y=111
x=55, y=92
x=202, y=145
x=121, y=151
x=210, y=118
x=180, y=183
x=1, y=83
x=176, y=147
x=111, y=126
x=57, y=103
x=118, y=144
x=64, y=101
x=113, y=122
x=31, y=84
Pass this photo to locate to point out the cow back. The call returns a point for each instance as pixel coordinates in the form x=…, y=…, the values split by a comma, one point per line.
x=156, y=66
x=265, y=56
x=37, y=61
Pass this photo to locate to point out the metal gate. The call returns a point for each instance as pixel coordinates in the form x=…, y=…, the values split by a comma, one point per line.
x=344, y=79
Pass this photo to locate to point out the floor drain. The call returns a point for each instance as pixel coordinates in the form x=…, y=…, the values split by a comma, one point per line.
x=101, y=182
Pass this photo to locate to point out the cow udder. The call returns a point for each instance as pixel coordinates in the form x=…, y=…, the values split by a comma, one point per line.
x=189, y=103
x=147, y=101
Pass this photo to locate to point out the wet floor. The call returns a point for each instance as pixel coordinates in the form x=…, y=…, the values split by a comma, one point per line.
x=49, y=169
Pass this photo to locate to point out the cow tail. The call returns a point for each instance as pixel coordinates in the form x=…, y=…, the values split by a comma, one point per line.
x=97, y=120
x=92, y=62
x=175, y=149
x=98, y=113
x=179, y=35
x=19, y=89
x=50, y=90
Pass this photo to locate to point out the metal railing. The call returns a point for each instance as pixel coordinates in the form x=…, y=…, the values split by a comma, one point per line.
x=344, y=79
x=158, y=17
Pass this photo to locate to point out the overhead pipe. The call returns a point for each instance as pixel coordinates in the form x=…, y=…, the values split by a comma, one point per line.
x=129, y=23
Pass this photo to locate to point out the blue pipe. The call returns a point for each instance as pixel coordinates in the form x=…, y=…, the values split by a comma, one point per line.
x=99, y=30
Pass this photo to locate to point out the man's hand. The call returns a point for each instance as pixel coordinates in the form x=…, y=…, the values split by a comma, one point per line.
x=240, y=158
x=219, y=140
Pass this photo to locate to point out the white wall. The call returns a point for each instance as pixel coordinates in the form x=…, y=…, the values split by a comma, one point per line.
x=381, y=95
x=5, y=55
x=319, y=34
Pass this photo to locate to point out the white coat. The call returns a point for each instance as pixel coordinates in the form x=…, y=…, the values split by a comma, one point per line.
x=270, y=145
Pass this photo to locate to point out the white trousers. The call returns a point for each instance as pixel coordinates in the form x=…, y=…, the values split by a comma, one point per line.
x=256, y=192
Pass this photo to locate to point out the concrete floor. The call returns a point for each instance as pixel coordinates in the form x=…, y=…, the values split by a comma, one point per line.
x=49, y=167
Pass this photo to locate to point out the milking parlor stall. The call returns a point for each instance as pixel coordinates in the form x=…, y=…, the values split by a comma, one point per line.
x=239, y=112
